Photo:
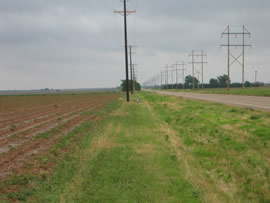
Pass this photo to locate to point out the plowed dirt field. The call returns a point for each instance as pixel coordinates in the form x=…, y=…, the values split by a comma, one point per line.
x=25, y=119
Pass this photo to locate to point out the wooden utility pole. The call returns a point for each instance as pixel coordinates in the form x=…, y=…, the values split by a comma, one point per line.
x=124, y=13
x=131, y=66
x=167, y=75
x=176, y=75
x=171, y=67
x=193, y=62
x=163, y=78
x=183, y=65
x=134, y=77
x=131, y=72
x=198, y=72
x=202, y=62
x=229, y=78
x=192, y=54
x=256, y=76
x=243, y=59
x=177, y=70
x=126, y=48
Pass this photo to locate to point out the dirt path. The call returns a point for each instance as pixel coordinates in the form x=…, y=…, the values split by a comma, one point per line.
x=254, y=102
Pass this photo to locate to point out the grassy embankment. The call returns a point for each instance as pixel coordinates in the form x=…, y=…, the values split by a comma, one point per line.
x=223, y=150
x=162, y=149
x=252, y=91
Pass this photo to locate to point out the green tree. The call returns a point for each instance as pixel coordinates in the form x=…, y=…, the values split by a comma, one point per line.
x=189, y=81
x=123, y=85
x=214, y=82
x=223, y=79
x=247, y=84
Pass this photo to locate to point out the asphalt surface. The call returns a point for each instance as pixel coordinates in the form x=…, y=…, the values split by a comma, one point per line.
x=253, y=102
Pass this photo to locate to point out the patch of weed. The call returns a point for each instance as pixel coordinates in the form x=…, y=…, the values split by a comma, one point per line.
x=255, y=117
x=203, y=153
x=263, y=133
x=88, y=113
x=13, y=127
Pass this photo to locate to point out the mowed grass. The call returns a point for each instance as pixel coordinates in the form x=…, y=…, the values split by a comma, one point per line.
x=160, y=149
x=125, y=158
x=127, y=161
x=252, y=91
x=225, y=149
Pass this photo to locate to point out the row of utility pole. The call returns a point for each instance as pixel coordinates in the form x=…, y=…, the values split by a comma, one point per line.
x=174, y=68
x=125, y=13
x=197, y=58
x=162, y=78
x=231, y=59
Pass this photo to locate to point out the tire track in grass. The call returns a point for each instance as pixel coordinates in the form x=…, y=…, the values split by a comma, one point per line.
x=211, y=158
x=184, y=157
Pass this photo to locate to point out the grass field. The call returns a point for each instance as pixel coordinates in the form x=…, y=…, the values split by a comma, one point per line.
x=252, y=91
x=159, y=149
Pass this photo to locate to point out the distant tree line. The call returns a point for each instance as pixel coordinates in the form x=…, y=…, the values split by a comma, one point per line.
x=219, y=82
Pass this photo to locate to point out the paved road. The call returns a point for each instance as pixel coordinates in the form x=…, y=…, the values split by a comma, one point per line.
x=254, y=102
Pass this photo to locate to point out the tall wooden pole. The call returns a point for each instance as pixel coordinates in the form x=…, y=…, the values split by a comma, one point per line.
x=131, y=72
x=126, y=48
x=229, y=80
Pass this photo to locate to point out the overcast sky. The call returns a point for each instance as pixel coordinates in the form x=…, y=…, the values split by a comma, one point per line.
x=79, y=43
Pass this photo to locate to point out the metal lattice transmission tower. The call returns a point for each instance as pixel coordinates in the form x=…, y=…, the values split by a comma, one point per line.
x=202, y=55
x=230, y=55
x=125, y=13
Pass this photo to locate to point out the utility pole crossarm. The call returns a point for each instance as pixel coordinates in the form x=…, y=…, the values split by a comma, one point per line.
x=236, y=45
x=198, y=62
x=236, y=33
x=123, y=12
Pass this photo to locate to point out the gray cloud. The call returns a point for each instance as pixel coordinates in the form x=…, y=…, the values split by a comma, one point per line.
x=79, y=43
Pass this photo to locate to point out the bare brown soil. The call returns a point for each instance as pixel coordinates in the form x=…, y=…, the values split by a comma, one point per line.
x=23, y=118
